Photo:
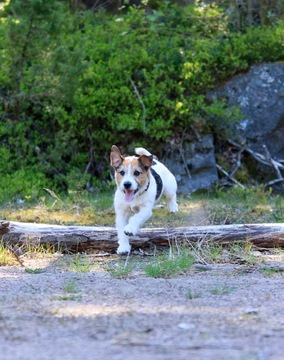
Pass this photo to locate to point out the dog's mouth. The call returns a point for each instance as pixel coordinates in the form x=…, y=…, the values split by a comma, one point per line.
x=130, y=194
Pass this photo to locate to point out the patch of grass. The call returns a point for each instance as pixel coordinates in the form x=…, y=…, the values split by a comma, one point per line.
x=78, y=208
x=34, y=271
x=170, y=265
x=219, y=207
x=242, y=254
x=236, y=205
x=68, y=297
x=272, y=271
x=277, y=211
x=79, y=263
x=254, y=205
x=193, y=295
x=71, y=286
x=71, y=292
x=215, y=252
x=222, y=290
x=206, y=252
x=6, y=258
x=163, y=218
x=120, y=271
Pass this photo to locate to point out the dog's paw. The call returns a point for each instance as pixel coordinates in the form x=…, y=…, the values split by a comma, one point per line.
x=130, y=230
x=173, y=208
x=123, y=249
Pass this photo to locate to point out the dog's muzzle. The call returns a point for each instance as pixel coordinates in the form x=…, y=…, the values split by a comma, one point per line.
x=129, y=193
x=127, y=185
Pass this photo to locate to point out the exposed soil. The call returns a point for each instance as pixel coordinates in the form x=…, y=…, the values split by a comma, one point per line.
x=230, y=312
x=226, y=312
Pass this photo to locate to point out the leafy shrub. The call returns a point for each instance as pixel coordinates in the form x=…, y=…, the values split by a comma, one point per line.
x=22, y=185
x=74, y=83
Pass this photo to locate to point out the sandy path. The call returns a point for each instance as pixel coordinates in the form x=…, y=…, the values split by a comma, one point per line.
x=226, y=313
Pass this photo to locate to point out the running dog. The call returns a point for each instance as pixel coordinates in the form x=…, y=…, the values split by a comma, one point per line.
x=141, y=180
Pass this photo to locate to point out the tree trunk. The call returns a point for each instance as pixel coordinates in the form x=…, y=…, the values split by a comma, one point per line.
x=84, y=238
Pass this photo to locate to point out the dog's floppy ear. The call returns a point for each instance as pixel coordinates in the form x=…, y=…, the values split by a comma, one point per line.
x=146, y=161
x=115, y=157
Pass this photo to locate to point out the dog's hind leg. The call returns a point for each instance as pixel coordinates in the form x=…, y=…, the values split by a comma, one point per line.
x=170, y=190
x=172, y=203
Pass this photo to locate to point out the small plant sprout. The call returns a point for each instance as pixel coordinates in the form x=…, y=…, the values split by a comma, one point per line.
x=71, y=286
x=169, y=265
x=6, y=257
x=193, y=295
x=120, y=270
x=79, y=263
x=34, y=271
x=222, y=290
x=71, y=292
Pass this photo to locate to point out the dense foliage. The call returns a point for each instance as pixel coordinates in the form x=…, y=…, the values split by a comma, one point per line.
x=73, y=83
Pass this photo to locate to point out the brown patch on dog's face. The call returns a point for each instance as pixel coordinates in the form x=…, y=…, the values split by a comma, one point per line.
x=132, y=169
x=131, y=173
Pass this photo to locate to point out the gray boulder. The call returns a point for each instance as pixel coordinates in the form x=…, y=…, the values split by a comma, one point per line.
x=194, y=165
x=260, y=96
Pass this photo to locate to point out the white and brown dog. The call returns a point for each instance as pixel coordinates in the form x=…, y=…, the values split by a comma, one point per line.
x=141, y=180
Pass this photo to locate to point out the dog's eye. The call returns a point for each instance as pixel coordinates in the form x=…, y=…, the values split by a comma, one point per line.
x=136, y=173
x=122, y=172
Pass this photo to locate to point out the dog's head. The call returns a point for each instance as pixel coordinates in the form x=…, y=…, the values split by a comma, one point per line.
x=131, y=172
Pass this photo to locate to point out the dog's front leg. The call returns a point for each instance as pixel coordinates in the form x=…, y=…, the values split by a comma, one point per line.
x=123, y=240
x=137, y=220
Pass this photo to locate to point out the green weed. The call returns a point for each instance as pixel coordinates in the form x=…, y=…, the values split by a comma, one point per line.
x=6, y=258
x=278, y=209
x=222, y=290
x=71, y=286
x=271, y=271
x=68, y=297
x=193, y=295
x=71, y=292
x=236, y=205
x=242, y=254
x=79, y=263
x=206, y=252
x=34, y=271
x=170, y=265
x=120, y=271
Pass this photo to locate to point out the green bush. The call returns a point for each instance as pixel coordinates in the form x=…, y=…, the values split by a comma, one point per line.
x=72, y=84
x=23, y=185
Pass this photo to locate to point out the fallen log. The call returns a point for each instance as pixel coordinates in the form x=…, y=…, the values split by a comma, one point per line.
x=85, y=238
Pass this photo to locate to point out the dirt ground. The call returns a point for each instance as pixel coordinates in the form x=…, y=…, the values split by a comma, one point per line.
x=226, y=312
x=230, y=312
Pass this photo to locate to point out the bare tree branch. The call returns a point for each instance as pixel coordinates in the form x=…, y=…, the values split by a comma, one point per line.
x=265, y=159
x=229, y=176
x=142, y=104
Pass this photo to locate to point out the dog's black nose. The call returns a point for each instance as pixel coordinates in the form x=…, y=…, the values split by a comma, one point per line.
x=127, y=184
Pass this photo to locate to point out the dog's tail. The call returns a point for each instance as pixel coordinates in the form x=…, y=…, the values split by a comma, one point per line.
x=141, y=151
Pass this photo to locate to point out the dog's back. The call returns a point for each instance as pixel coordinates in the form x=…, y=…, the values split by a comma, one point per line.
x=168, y=184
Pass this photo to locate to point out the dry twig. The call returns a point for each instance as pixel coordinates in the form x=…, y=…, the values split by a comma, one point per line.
x=265, y=160
x=230, y=176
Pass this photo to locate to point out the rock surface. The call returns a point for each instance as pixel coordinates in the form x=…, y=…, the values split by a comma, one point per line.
x=194, y=165
x=260, y=96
